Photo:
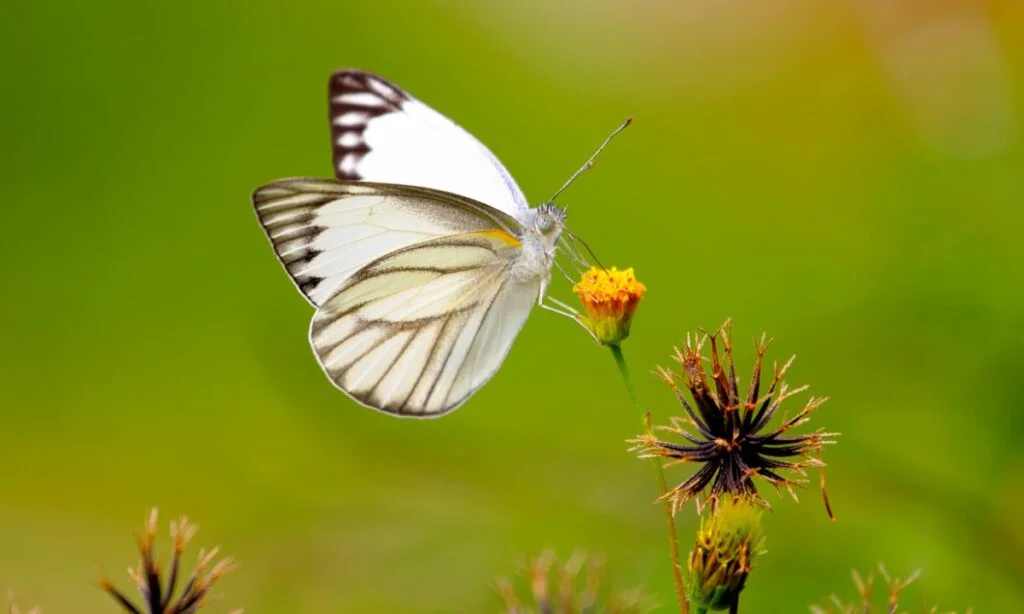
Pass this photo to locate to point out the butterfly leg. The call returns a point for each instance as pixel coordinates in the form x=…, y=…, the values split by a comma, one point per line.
x=553, y=304
x=562, y=270
x=561, y=312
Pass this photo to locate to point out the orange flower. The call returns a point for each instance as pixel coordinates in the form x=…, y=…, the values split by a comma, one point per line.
x=610, y=297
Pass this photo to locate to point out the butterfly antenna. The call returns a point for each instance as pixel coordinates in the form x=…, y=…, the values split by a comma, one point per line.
x=590, y=162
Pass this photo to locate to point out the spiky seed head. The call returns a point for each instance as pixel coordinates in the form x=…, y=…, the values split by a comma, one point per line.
x=728, y=435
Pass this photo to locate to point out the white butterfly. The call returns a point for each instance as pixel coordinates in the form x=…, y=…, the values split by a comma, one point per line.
x=420, y=287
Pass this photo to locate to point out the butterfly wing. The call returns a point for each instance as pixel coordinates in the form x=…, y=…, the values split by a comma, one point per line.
x=323, y=230
x=414, y=331
x=418, y=331
x=382, y=134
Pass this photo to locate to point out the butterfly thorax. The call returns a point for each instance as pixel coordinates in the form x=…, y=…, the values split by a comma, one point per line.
x=538, y=238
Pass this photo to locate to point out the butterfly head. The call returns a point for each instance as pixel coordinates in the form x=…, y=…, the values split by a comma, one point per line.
x=550, y=220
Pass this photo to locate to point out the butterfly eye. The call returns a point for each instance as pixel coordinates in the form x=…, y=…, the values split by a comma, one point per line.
x=545, y=223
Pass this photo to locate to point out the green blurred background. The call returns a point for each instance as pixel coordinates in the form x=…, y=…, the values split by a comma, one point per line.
x=846, y=176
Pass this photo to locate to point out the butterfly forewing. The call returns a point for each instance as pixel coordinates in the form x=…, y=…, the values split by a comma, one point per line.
x=418, y=331
x=324, y=231
x=380, y=133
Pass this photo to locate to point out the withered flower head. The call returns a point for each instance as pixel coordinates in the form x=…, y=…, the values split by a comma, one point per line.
x=13, y=608
x=560, y=589
x=728, y=436
x=866, y=602
x=729, y=539
x=158, y=598
x=610, y=298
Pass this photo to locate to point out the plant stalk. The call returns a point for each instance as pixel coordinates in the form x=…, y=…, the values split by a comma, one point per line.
x=659, y=474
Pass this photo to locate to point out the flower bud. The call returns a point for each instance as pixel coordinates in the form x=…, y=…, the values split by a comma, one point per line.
x=729, y=538
x=610, y=298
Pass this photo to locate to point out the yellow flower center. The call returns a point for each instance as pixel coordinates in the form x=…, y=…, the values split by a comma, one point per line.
x=610, y=297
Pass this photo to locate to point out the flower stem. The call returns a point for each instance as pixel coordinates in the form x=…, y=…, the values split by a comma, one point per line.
x=670, y=524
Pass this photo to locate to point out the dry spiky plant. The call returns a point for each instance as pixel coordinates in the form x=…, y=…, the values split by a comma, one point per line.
x=865, y=603
x=158, y=598
x=571, y=588
x=12, y=607
x=728, y=435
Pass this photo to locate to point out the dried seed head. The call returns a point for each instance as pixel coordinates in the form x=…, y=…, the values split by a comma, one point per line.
x=867, y=603
x=157, y=597
x=13, y=608
x=727, y=434
x=570, y=588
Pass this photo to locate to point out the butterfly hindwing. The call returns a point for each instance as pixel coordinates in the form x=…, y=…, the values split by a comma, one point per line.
x=419, y=330
x=380, y=133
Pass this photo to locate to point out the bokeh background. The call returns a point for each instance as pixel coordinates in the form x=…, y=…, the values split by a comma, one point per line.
x=845, y=175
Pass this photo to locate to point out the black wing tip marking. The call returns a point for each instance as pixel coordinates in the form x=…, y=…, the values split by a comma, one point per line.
x=354, y=98
x=352, y=81
x=290, y=186
x=298, y=225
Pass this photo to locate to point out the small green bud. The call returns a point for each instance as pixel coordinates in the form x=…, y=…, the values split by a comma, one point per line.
x=729, y=538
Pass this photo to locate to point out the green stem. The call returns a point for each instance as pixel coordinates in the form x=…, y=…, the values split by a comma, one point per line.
x=670, y=524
